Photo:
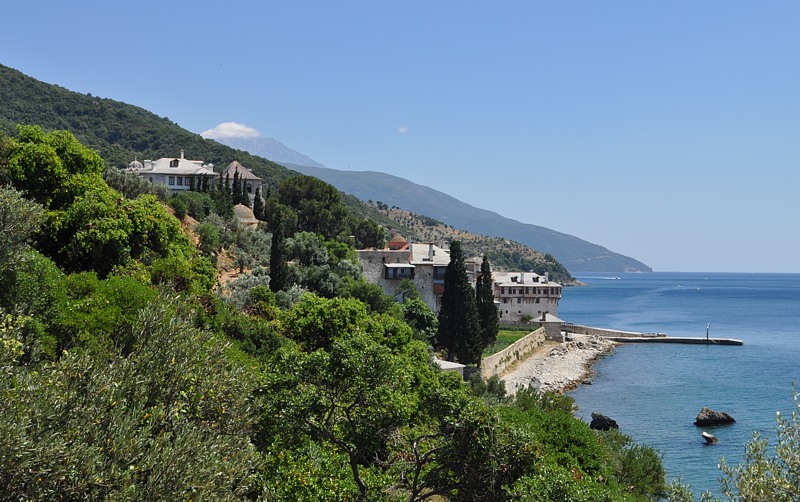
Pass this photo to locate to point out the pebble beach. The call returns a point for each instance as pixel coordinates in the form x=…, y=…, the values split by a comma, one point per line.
x=559, y=367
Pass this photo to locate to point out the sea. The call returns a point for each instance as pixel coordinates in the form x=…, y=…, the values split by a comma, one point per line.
x=655, y=391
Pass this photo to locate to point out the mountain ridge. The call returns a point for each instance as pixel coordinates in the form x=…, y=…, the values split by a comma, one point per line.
x=121, y=132
x=577, y=255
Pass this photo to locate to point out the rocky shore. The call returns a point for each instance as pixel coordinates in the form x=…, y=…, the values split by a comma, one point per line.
x=560, y=367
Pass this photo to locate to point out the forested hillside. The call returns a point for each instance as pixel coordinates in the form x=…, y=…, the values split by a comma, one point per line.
x=576, y=254
x=127, y=372
x=121, y=132
x=118, y=131
x=504, y=254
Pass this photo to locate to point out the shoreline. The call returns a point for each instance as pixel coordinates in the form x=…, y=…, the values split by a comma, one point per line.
x=559, y=368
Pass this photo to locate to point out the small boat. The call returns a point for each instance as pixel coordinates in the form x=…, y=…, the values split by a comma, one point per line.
x=710, y=438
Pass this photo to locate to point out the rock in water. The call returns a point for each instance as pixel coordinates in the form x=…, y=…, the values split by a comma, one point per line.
x=707, y=417
x=710, y=438
x=602, y=422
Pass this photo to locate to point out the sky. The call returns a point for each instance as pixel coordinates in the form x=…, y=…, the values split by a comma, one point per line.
x=665, y=131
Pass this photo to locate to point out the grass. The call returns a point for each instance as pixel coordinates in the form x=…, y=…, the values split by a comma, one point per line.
x=505, y=337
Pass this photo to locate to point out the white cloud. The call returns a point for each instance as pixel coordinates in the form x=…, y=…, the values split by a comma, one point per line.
x=231, y=130
x=402, y=129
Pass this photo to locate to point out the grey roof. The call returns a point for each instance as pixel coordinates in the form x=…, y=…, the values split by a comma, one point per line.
x=244, y=173
x=447, y=365
x=184, y=167
x=422, y=255
x=524, y=279
x=548, y=317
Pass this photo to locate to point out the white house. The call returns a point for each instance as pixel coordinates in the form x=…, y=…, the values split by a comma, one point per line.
x=176, y=173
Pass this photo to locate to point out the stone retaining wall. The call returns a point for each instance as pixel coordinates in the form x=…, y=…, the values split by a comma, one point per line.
x=606, y=333
x=498, y=363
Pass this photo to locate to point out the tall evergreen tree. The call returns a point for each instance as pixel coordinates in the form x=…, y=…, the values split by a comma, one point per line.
x=484, y=298
x=459, y=331
x=244, y=197
x=236, y=188
x=258, y=205
x=278, y=257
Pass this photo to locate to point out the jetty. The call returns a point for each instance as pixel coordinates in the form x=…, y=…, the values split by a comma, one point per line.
x=636, y=337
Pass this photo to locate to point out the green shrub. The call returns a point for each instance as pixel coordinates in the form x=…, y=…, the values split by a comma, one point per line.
x=169, y=422
x=179, y=206
x=638, y=468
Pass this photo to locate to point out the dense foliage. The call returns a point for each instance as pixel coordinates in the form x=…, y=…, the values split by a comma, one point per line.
x=118, y=131
x=125, y=375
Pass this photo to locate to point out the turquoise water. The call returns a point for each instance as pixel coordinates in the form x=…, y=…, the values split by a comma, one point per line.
x=654, y=392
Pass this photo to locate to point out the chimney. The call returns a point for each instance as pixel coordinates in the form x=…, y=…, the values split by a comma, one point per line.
x=181, y=153
x=547, y=277
x=522, y=278
x=430, y=252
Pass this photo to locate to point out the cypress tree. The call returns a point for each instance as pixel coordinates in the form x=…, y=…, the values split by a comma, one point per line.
x=459, y=331
x=487, y=312
x=258, y=205
x=245, y=197
x=236, y=189
x=278, y=266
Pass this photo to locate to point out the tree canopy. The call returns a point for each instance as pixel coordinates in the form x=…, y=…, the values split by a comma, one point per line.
x=125, y=375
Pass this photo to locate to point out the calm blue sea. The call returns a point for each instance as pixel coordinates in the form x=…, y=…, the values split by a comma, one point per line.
x=654, y=392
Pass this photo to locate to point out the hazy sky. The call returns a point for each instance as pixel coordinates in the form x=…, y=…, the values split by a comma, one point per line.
x=666, y=131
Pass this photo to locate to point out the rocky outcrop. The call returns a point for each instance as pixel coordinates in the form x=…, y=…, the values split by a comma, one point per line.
x=709, y=417
x=602, y=423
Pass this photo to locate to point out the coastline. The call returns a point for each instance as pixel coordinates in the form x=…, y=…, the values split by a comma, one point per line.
x=559, y=368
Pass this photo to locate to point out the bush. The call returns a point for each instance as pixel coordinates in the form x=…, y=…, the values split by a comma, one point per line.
x=101, y=314
x=179, y=206
x=169, y=422
x=198, y=205
x=636, y=467
x=762, y=476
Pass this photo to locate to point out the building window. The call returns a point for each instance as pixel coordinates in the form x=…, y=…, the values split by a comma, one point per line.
x=399, y=273
x=173, y=163
x=172, y=180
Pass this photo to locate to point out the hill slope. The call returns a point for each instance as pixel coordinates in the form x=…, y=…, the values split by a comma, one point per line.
x=121, y=132
x=117, y=130
x=574, y=253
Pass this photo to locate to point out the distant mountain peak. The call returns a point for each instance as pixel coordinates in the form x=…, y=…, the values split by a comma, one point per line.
x=242, y=137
